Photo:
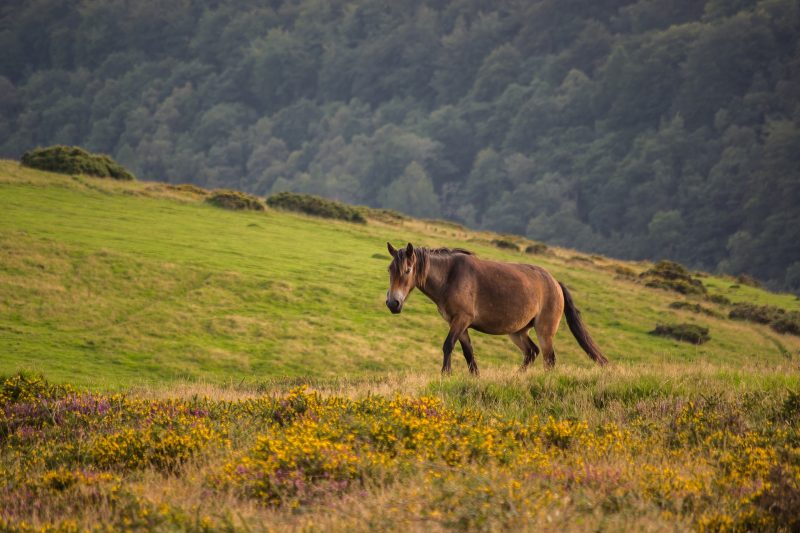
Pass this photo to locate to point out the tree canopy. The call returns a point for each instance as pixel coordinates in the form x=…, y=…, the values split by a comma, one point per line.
x=636, y=128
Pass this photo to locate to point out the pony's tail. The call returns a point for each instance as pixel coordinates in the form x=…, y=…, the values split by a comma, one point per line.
x=578, y=329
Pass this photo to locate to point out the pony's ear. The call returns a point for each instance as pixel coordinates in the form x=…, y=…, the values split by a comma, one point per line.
x=391, y=249
x=410, y=253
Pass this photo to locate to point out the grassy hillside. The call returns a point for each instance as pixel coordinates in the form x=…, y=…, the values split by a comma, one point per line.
x=110, y=284
x=238, y=371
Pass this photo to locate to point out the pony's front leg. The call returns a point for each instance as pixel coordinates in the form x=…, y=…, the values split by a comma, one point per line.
x=457, y=328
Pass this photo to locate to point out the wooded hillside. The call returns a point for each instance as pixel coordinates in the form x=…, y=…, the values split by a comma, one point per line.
x=650, y=128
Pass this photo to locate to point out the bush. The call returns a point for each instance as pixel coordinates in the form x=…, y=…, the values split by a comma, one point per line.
x=694, y=308
x=536, y=248
x=672, y=276
x=235, y=200
x=787, y=323
x=505, y=244
x=719, y=299
x=760, y=314
x=315, y=205
x=778, y=319
x=690, y=333
x=74, y=160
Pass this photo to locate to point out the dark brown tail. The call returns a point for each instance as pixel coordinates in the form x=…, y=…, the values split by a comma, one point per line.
x=578, y=329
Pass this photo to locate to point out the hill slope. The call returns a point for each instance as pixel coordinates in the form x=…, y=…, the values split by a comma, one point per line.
x=109, y=284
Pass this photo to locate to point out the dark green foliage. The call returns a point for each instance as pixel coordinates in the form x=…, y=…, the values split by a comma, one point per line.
x=761, y=314
x=690, y=333
x=634, y=128
x=787, y=323
x=536, y=248
x=235, y=200
x=315, y=205
x=719, y=299
x=505, y=244
x=74, y=160
x=672, y=276
x=694, y=308
x=778, y=319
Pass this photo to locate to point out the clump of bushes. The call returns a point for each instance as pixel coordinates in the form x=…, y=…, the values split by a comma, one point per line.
x=778, y=319
x=315, y=205
x=694, y=308
x=75, y=160
x=235, y=200
x=536, y=248
x=690, y=333
x=719, y=299
x=505, y=244
x=672, y=276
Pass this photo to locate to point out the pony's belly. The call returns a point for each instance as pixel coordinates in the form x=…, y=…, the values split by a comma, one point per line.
x=501, y=328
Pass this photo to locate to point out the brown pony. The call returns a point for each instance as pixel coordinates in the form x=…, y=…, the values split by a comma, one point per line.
x=490, y=297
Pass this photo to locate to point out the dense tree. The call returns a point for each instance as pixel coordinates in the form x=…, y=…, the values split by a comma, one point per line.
x=639, y=128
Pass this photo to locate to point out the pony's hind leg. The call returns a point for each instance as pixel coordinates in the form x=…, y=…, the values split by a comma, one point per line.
x=527, y=347
x=545, y=331
x=546, y=325
x=466, y=347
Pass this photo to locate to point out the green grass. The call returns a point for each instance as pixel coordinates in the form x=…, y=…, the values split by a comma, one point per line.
x=107, y=285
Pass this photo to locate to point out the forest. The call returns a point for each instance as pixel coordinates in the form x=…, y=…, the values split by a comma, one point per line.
x=634, y=128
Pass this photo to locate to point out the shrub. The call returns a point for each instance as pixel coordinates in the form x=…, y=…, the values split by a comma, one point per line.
x=505, y=244
x=536, y=248
x=691, y=333
x=787, y=323
x=694, y=308
x=672, y=276
x=719, y=299
x=74, y=160
x=316, y=206
x=235, y=200
x=760, y=314
x=778, y=319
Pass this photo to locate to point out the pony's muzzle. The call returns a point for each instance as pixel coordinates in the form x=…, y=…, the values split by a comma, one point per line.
x=395, y=306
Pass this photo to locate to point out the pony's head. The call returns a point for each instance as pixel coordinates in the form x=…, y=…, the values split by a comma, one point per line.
x=402, y=272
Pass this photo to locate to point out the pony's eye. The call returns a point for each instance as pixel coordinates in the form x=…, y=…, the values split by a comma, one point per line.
x=408, y=271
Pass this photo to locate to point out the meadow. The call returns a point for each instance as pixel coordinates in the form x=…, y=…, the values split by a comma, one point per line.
x=172, y=365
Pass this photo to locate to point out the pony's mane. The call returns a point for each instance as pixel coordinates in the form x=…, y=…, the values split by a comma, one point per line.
x=445, y=251
x=424, y=253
